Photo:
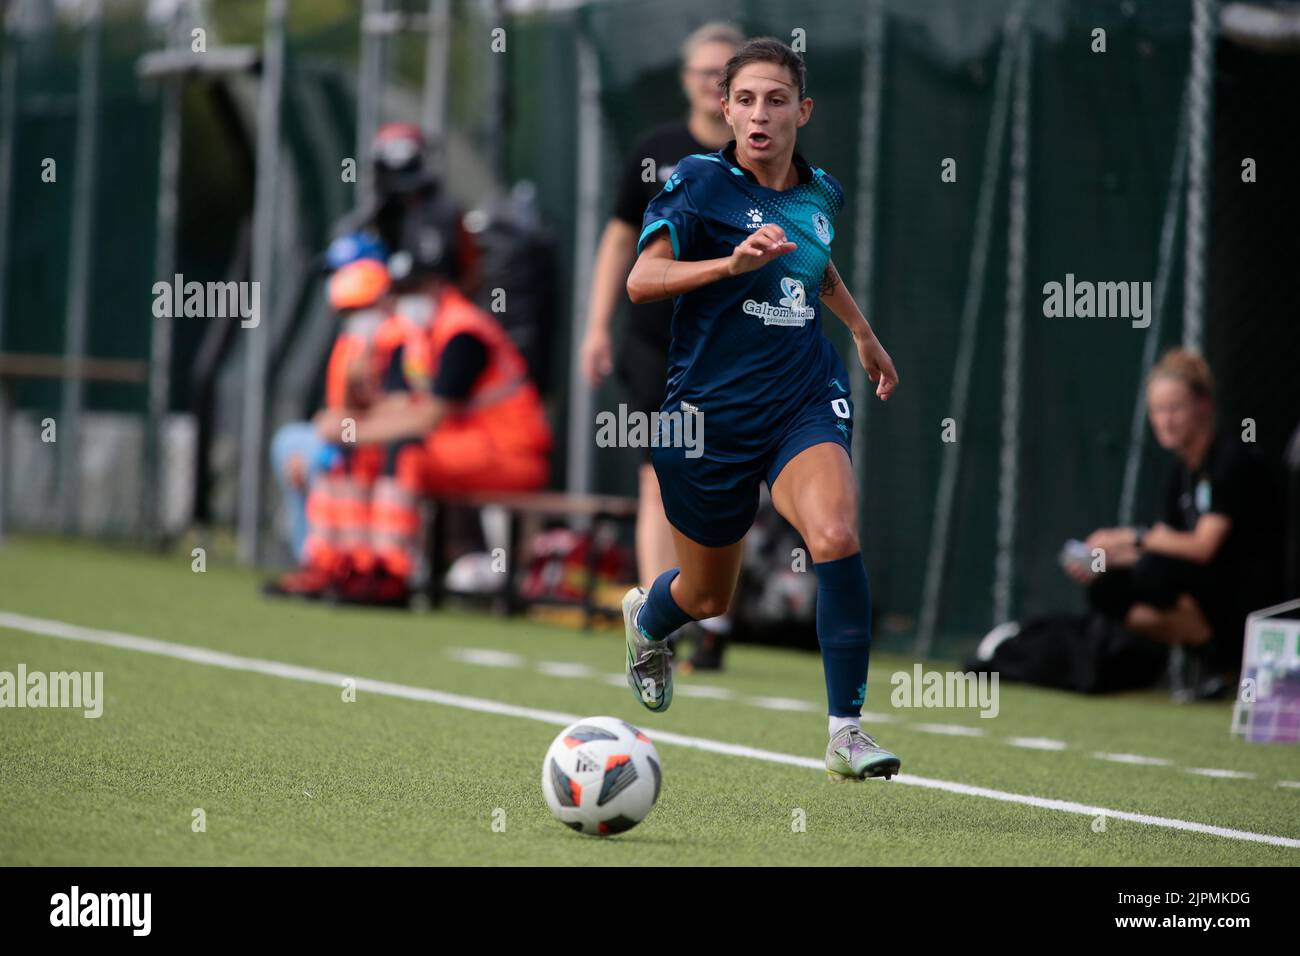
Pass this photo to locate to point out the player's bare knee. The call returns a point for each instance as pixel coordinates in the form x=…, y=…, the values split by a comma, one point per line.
x=1142, y=618
x=709, y=605
x=832, y=540
x=702, y=603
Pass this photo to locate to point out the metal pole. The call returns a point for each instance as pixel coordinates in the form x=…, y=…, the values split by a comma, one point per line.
x=588, y=179
x=83, y=226
x=497, y=94
x=1164, y=267
x=160, y=350
x=436, y=64
x=369, y=73
x=8, y=123
x=1201, y=118
x=264, y=218
x=1013, y=345
x=936, y=560
x=864, y=229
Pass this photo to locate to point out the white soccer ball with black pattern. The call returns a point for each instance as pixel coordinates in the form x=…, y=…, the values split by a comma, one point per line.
x=601, y=776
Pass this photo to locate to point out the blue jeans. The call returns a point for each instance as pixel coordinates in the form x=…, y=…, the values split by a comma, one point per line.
x=296, y=439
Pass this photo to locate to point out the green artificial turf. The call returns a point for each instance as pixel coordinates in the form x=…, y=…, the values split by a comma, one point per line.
x=288, y=772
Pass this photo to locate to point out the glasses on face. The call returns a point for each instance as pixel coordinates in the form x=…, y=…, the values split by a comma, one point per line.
x=714, y=75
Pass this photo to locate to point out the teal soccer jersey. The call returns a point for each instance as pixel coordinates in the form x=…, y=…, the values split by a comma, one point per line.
x=748, y=353
x=746, y=350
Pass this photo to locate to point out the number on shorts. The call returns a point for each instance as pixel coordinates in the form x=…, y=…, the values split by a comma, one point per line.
x=841, y=406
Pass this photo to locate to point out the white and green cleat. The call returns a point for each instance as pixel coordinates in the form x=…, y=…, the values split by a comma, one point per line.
x=854, y=755
x=649, y=662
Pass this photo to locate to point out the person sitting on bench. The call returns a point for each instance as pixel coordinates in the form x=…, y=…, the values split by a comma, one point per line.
x=457, y=414
x=350, y=377
x=1192, y=578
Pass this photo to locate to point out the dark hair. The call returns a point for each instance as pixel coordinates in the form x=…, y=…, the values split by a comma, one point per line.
x=764, y=50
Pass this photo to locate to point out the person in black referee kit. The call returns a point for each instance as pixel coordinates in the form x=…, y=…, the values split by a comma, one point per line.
x=641, y=359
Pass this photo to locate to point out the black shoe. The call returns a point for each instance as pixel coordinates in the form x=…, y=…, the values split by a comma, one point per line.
x=377, y=588
x=709, y=647
x=1215, y=687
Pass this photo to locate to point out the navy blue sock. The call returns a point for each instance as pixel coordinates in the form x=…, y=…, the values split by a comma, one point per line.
x=844, y=632
x=660, y=615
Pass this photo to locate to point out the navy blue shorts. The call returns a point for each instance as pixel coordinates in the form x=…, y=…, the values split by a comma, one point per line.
x=713, y=499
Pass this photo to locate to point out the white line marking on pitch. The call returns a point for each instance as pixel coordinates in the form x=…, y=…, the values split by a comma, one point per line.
x=311, y=675
x=565, y=669
x=485, y=657
x=952, y=730
x=1226, y=774
x=1136, y=759
x=704, y=692
x=1294, y=784
x=1037, y=743
x=491, y=658
x=783, y=703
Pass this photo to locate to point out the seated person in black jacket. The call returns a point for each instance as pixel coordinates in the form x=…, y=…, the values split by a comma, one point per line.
x=1192, y=578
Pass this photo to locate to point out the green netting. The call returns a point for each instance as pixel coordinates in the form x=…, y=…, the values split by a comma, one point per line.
x=1102, y=135
x=121, y=261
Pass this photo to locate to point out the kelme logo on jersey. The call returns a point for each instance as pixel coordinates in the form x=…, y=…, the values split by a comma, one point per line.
x=793, y=308
x=673, y=182
x=822, y=226
x=754, y=219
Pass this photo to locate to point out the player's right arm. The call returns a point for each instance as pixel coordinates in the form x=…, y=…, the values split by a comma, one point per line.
x=614, y=255
x=657, y=275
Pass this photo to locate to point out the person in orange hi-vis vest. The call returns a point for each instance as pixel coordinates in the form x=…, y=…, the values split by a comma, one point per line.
x=343, y=474
x=457, y=413
x=296, y=449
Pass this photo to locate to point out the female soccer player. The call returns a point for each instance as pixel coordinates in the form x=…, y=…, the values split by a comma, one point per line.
x=738, y=238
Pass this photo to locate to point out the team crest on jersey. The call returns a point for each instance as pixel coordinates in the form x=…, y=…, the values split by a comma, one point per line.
x=822, y=226
x=792, y=310
x=795, y=298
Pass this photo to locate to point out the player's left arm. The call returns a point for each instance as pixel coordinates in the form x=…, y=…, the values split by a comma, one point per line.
x=394, y=417
x=415, y=407
x=461, y=365
x=1199, y=545
x=413, y=415
x=879, y=366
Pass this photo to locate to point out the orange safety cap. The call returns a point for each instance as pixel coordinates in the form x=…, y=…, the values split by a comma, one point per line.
x=358, y=284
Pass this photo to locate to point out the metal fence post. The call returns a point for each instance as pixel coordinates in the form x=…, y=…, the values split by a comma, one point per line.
x=268, y=149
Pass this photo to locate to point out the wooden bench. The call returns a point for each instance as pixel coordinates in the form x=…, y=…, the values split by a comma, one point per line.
x=524, y=508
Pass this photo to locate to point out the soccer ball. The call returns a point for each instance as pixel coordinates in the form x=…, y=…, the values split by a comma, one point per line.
x=601, y=776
